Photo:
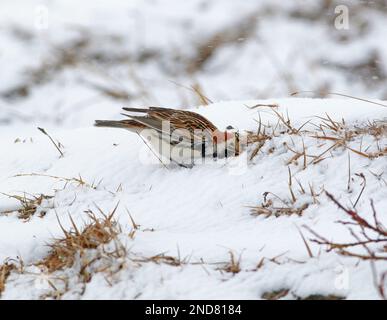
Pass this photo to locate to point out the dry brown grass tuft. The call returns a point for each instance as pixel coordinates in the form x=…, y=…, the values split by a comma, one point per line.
x=275, y=295
x=278, y=294
x=282, y=127
x=268, y=210
x=78, y=180
x=233, y=266
x=277, y=207
x=330, y=133
x=259, y=139
x=162, y=258
x=64, y=251
x=321, y=297
x=340, y=134
x=29, y=206
x=96, y=249
x=5, y=271
x=377, y=128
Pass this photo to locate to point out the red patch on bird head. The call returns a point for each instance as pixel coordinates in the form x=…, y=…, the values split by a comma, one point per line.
x=220, y=136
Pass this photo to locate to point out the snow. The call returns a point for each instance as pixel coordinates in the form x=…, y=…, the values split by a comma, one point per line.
x=142, y=49
x=147, y=46
x=200, y=213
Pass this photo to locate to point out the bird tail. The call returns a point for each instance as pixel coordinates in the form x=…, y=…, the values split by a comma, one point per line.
x=109, y=123
x=124, y=124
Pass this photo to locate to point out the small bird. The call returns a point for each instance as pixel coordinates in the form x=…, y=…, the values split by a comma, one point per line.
x=179, y=136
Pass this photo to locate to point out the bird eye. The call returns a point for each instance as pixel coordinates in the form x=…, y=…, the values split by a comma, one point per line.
x=230, y=127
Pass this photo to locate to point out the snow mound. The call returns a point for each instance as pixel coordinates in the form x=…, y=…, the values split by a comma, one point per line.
x=226, y=229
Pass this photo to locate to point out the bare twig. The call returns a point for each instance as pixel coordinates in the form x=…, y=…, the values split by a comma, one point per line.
x=52, y=140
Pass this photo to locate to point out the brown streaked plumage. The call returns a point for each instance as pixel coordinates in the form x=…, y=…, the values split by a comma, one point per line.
x=199, y=129
x=179, y=119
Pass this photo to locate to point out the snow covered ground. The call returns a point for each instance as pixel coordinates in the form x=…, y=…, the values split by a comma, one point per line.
x=198, y=216
x=225, y=229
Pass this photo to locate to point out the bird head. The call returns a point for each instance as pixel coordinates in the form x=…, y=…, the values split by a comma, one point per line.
x=228, y=141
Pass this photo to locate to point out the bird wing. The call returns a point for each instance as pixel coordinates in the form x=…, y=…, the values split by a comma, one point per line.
x=178, y=119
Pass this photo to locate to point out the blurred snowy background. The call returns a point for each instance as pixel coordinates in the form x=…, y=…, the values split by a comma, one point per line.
x=225, y=232
x=66, y=63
